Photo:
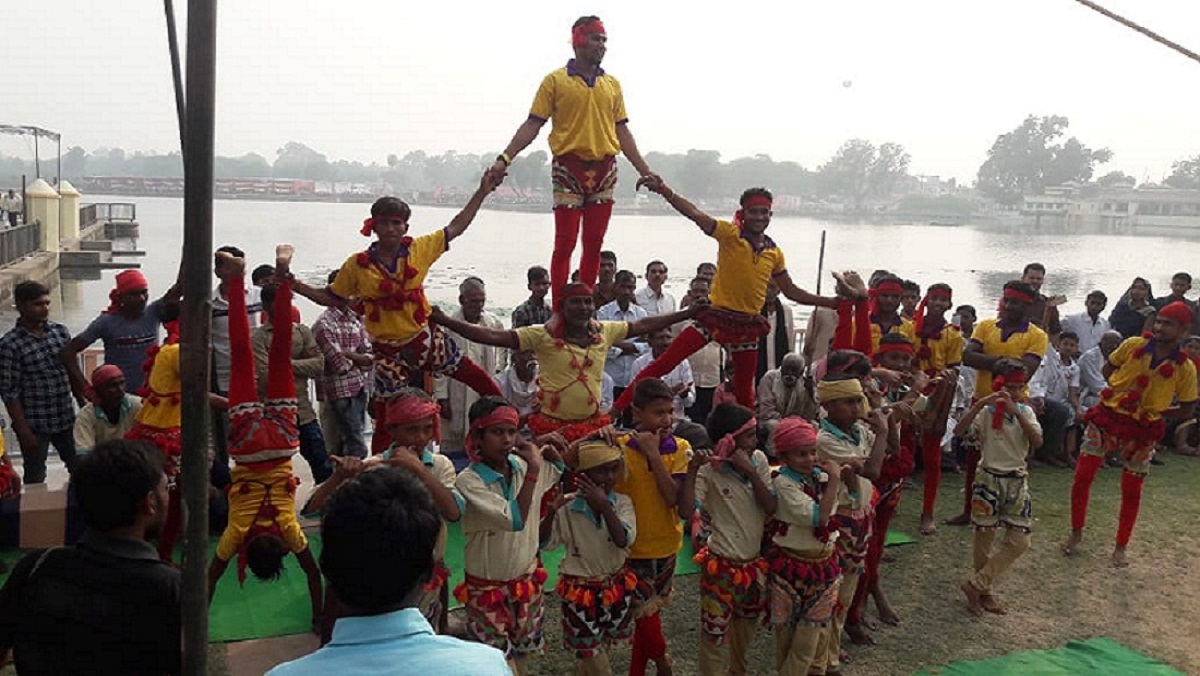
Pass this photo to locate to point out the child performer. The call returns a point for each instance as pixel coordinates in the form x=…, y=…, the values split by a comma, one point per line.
x=859, y=448
x=502, y=496
x=1007, y=432
x=263, y=437
x=863, y=322
x=805, y=575
x=389, y=279
x=1150, y=378
x=747, y=260
x=734, y=485
x=657, y=463
x=939, y=354
x=596, y=526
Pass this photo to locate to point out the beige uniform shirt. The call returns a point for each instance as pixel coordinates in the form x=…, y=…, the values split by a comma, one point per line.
x=1003, y=451
x=737, y=518
x=500, y=545
x=834, y=444
x=800, y=516
x=590, y=549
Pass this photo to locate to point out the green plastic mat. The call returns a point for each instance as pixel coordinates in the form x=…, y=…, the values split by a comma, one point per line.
x=1095, y=657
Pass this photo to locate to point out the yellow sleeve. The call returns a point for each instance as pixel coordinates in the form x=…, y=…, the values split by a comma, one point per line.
x=1123, y=351
x=614, y=332
x=531, y=337
x=984, y=334
x=954, y=347
x=780, y=263
x=677, y=462
x=908, y=330
x=345, y=285
x=426, y=249
x=1185, y=389
x=294, y=535
x=619, y=114
x=543, y=101
x=725, y=231
x=1038, y=341
x=231, y=540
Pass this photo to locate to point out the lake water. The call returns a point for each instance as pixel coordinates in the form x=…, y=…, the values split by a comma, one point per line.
x=975, y=258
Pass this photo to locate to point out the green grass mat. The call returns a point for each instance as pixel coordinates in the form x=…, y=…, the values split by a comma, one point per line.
x=1095, y=657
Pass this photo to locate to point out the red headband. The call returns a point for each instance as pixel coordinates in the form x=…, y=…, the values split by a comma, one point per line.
x=889, y=286
x=499, y=416
x=128, y=281
x=368, y=227
x=1017, y=294
x=919, y=315
x=940, y=293
x=404, y=410
x=574, y=290
x=905, y=347
x=757, y=201
x=579, y=34
x=1177, y=312
x=726, y=445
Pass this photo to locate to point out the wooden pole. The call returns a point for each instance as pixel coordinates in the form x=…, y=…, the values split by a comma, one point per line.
x=821, y=263
x=195, y=318
x=176, y=75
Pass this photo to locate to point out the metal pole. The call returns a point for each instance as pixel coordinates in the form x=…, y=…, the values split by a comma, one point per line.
x=176, y=75
x=37, y=160
x=195, y=318
x=821, y=263
x=58, y=165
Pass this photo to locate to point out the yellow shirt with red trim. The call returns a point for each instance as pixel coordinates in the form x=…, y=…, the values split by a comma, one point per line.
x=1031, y=341
x=944, y=351
x=161, y=409
x=1158, y=392
x=659, y=530
x=742, y=272
x=569, y=376
x=363, y=281
x=904, y=328
x=583, y=117
x=246, y=500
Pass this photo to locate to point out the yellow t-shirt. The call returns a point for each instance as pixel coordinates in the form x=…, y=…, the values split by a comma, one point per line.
x=357, y=280
x=1031, y=341
x=904, y=328
x=583, y=118
x=161, y=408
x=742, y=272
x=1160, y=393
x=245, y=508
x=569, y=376
x=944, y=351
x=659, y=530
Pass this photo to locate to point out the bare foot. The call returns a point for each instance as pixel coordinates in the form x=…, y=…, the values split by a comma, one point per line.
x=889, y=617
x=663, y=667
x=1071, y=546
x=858, y=634
x=991, y=604
x=283, y=259
x=1118, y=558
x=963, y=519
x=229, y=265
x=927, y=525
x=974, y=606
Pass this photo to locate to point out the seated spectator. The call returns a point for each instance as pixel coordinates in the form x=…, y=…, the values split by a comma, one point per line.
x=1091, y=368
x=106, y=605
x=379, y=533
x=1054, y=396
x=783, y=393
x=110, y=415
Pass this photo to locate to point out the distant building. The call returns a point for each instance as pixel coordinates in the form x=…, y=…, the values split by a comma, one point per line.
x=1117, y=207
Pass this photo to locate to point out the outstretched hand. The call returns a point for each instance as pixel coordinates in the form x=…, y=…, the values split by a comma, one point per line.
x=495, y=174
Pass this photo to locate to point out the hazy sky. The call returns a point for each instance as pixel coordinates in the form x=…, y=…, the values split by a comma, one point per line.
x=359, y=80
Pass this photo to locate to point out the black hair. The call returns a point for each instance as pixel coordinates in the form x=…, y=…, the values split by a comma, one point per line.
x=112, y=481
x=484, y=406
x=910, y=285
x=1005, y=366
x=609, y=256
x=706, y=264
x=584, y=20
x=851, y=362
x=262, y=272
x=536, y=274
x=755, y=192
x=232, y=250
x=1099, y=294
x=895, y=339
x=29, y=290
x=378, y=535
x=650, y=390
x=390, y=206
x=264, y=556
x=653, y=263
x=624, y=277
x=967, y=308
x=701, y=280
x=726, y=418
x=1069, y=334
x=1034, y=266
x=879, y=280
x=942, y=286
x=1182, y=275
x=693, y=433
x=332, y=276
x=1018, y=285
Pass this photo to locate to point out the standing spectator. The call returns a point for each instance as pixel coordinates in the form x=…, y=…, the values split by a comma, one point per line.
x=379, y=532
x=111, y=415
x=219, y=330
x=679, y=379
x=1089, y=325
x=705, y=362
x=1133, y=311
x=455, y=397
x=818, y=335
x=307, y=363
x=619, y=365
x=34, y=382
x=12, y=205
x=1181, y=283
x=1044, y=310
x=781, y=339
x=105, y=605
x=651, y=297
x=1054, y=396
x=128, y=328
x=534, y=311
x=344, y=386
x=605, y=291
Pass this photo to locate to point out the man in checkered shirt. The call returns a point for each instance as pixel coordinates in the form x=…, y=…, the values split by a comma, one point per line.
x=34, y=382
x=346, y=386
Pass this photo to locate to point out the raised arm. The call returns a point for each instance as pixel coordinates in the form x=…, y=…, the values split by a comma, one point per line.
x=651, y=324
x=319, y=295
x=655, y=184
x=794, y=293
x=475, y=332
x=458, y=224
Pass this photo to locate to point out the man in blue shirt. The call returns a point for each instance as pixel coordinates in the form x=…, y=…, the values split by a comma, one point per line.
x=379, y=532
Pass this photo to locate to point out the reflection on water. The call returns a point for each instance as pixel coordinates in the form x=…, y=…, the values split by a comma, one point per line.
x=976, y=259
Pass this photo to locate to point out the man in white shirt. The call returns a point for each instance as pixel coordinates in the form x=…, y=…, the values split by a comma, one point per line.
x=1091, y=368
x=1089, y=326
x=619, y=364
x=454, y=397
x=651, y=297
x=1054, y=396
x=679, y=379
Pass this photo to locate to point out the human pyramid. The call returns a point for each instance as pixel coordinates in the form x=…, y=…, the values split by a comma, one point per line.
x=793, y=539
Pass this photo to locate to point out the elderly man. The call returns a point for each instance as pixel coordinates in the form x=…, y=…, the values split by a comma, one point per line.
x=453, y=396
x=111, y=415
x=783, y=393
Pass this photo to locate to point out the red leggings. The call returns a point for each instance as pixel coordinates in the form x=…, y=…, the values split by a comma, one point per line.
x=1081, y=489
x=566, y=231
x=687, y=343
x=854, y=327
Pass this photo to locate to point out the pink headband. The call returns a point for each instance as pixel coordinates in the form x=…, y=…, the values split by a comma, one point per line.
x=726, y=444
x=794, y=433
